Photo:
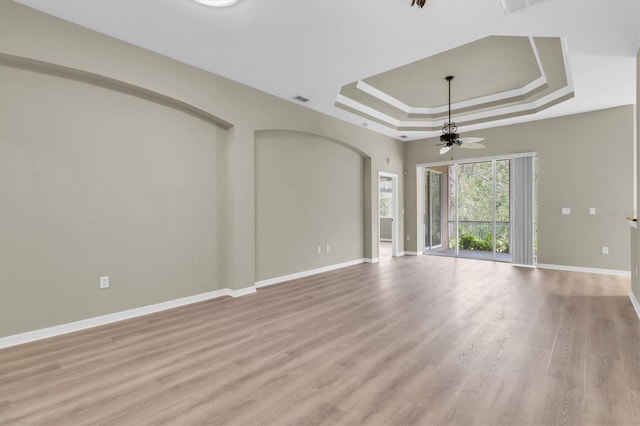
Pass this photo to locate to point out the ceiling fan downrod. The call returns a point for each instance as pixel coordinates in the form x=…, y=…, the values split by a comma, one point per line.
x=449, y=129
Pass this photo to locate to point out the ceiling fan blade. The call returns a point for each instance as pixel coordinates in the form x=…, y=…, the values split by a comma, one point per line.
x=444, y=150
x=470, y=140
x=472, y=145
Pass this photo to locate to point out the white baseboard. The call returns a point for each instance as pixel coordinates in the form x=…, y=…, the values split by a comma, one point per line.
x=277, y=280
x=44, y=333
x=400, y=254
x=635, y=303
x=583, y=269
x=374, y=260
x=386, y=240
x=241, y=292
x=412, y=253
x=522, y=265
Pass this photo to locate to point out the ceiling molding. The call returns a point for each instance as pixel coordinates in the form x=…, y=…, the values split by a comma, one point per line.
x=515, y=102
x=100, y=80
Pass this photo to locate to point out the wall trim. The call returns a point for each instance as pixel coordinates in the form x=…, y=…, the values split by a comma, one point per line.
x=112, y=84
x=412, y=253
x=241, y=292
x=635, y=303
x=386, y=240
x=523, y=265
x=303, y=274
x=57, y=330
x=584, y=269
x=374, y=260
x=400, y=254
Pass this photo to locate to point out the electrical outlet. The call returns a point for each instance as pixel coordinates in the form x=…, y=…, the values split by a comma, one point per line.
x=319, y=249
x=605, y=250
x=328, y=248
x=566, y=210
x=408, y=237
x=592, y=211
x=104, y=282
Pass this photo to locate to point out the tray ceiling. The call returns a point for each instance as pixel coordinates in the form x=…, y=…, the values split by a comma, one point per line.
x=496, y=77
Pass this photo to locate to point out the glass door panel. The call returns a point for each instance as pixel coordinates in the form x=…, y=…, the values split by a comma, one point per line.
x=452, y=227
x=435, y=224
x=433, y=209
x=503, y=207
x=475, y=208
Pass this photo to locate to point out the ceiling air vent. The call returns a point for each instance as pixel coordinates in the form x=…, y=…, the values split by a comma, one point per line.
x=301, y=99
x=511, y=6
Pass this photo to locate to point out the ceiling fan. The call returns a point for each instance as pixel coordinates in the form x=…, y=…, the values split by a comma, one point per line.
x=450, y=137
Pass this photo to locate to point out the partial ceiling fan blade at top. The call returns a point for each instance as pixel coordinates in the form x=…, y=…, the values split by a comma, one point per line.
x=472, y=145
x=444, y=150
x=470, y=139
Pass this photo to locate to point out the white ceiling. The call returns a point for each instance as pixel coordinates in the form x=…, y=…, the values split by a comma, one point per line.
x=313, y=47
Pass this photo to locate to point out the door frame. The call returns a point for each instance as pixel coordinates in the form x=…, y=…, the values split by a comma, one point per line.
x=394, y=212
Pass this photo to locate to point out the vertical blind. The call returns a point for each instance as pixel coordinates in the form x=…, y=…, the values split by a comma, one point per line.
x=522, y=227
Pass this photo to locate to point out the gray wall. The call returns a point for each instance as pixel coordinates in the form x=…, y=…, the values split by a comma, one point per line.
x=385, y=229
x=309, y=194
x=101, y=182
x=96, y=182
x=580, y=165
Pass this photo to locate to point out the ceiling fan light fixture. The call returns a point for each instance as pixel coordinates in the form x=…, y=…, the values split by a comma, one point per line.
x=419, y=3
x=217, y=3
x=449, y=137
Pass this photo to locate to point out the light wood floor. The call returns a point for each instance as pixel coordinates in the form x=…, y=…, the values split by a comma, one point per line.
x=415, y=340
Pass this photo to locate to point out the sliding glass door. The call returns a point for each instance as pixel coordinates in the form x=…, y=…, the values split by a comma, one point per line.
x=477, y=210
x=481, y=217
x=481, y=209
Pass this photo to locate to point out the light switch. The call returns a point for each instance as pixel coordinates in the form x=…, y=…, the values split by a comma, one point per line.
x=104, y=282
x=566, y=210
x=592, y=211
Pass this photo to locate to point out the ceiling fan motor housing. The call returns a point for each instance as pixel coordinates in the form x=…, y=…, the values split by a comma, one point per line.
x=449, y=137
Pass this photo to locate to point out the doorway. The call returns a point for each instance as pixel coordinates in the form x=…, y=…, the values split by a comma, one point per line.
x=387, y=215
x=479, y=209
x=470, y=209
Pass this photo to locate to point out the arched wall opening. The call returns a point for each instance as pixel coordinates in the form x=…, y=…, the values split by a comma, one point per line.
x=310, y=203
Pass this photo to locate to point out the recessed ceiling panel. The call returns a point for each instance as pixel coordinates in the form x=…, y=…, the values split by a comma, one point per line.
x=484, y=67
x=515, y=76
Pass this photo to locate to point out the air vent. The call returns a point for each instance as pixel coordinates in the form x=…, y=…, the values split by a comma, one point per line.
x=301, y=99
x=404, y=137
x=511, y=6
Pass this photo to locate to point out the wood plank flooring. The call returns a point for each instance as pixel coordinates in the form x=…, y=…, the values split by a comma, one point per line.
x=410, y=341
